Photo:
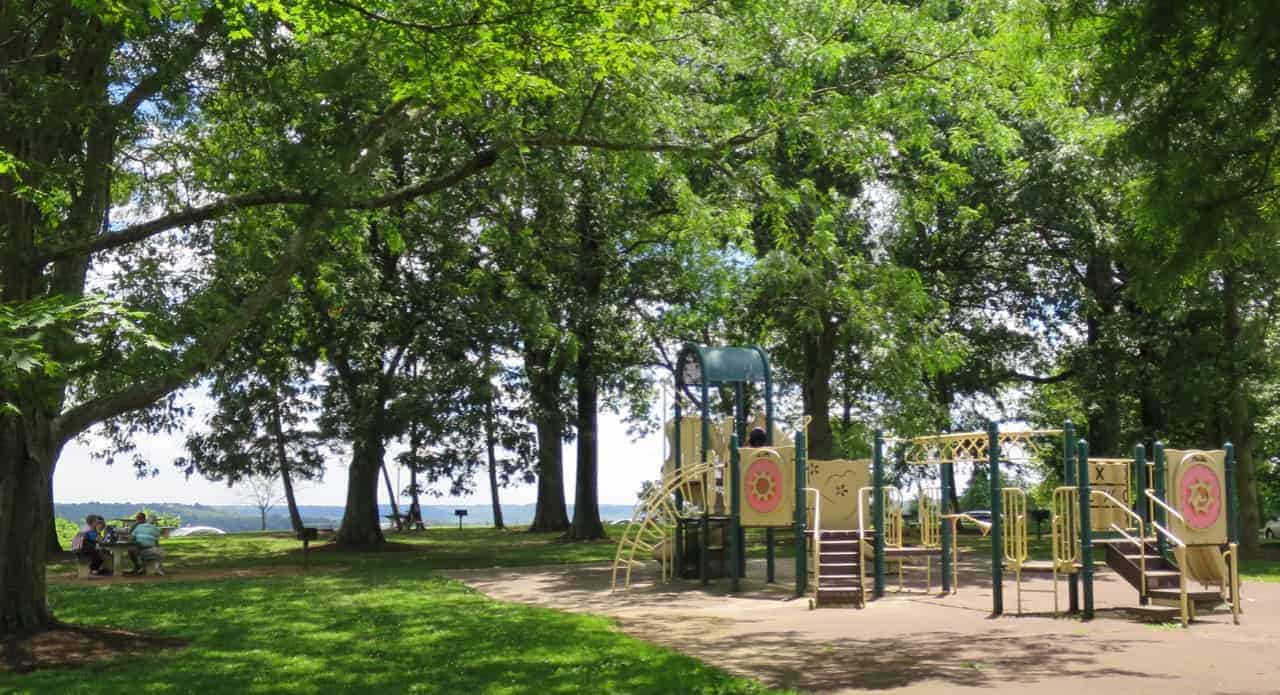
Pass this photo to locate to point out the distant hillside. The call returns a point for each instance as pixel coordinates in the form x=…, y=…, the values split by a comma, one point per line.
x=245, y=518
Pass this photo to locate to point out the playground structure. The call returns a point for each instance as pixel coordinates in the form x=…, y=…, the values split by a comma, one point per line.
x=1161, y=524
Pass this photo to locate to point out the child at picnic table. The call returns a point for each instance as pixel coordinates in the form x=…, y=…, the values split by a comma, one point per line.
x=85, y=544
x=147, y=537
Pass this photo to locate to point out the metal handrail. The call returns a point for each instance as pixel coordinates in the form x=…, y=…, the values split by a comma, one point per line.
x=1122, y=507
x=1152, y=496
x=817, y=537
x=1142, y=556
x=1169, y=535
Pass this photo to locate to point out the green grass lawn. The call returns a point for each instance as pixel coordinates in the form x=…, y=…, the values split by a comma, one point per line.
x=361, y=622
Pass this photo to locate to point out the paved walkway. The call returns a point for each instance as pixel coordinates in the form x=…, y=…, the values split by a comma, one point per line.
x=918, y=643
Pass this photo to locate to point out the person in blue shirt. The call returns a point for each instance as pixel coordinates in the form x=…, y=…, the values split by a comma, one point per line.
x=147, y=537
x=85, y=544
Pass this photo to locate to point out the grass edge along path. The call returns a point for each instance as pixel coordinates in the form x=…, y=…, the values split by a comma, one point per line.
x=372, y=629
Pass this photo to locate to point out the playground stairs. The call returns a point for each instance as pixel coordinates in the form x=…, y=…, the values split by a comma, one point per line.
x=837, y=578
x=1163, y=595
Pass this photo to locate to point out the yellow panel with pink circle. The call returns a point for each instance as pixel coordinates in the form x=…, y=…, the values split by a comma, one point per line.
x=767, y=486
x=1196, y=488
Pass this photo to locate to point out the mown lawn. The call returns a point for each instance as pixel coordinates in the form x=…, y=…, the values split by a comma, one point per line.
x=360, y=623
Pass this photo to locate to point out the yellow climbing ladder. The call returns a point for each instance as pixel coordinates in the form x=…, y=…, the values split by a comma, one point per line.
x=650, y=533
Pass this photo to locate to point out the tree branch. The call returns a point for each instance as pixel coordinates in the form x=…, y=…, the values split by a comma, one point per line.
x=479, y=162
x=197, y=359
x=1014, y=375
x=183, y=57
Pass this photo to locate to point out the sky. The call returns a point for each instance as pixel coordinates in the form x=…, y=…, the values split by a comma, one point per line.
x=624, y=464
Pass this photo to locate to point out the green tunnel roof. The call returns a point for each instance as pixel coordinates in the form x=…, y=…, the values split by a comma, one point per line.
x=721, y=365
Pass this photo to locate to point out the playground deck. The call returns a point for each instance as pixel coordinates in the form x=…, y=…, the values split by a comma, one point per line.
x=912, y=643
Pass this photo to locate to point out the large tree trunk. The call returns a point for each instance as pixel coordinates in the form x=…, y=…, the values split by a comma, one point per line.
x=1239, y=427
x=586, y=502
x=590, y=275
x=360, y=521
x=819, y=364
x=1102, y=388
x=282, y=462
x=551, y=513
x=26, y=473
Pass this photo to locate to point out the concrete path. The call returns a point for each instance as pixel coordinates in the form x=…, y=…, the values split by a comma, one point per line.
x=918, y=642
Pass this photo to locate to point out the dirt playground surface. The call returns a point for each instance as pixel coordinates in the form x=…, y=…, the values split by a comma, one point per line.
x=922, y=643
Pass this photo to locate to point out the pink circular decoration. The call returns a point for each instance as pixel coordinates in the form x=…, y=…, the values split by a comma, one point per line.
x=1201, y=496
x=764, y=485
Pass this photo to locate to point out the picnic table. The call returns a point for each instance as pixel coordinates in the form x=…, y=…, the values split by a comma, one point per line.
x=119, y=554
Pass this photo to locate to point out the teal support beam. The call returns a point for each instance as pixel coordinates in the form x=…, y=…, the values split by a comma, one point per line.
x=1233, y=501
x=1069, y=478
x=877, y=512
x=735, y=510
x=997, y=525
x=1157, y=452
x=704, y=550
x=1086, y=530
x=801, y=550
x=675, y=454
x=1143, y=509
x=946, y=474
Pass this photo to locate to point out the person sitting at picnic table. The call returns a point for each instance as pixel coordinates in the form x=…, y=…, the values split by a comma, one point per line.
x=85, y=544
x=146, y=535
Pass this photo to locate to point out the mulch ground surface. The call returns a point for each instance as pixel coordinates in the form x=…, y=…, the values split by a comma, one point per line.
x=71, y=646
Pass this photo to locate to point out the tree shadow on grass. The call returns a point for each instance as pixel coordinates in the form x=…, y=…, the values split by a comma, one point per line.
x=381, y=631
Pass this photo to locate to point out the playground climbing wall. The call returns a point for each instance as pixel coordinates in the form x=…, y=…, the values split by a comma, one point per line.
x=838, y=482
x=768, y=486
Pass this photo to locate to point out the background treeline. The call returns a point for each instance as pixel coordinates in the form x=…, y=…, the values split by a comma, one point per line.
x=234, y=518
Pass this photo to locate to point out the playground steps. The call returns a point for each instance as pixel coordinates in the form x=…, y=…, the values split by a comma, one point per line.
x=838, y=576
x=1127, y=561
x=1155, y=613
x=1163, y=576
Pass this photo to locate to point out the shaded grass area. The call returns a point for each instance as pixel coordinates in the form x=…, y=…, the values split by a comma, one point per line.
x=383, y=624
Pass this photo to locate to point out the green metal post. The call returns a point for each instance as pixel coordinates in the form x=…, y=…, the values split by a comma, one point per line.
x=735, y=509
x=947, y=475
x=802, y=553
x=704, y=550
x=1233, y=504
x=768, y=554
x=877, y=512
x=1157, y=451
x=1069, y=478
x=1086, y=531
x=997, y=526
x=1140, y=460
x=675, y=451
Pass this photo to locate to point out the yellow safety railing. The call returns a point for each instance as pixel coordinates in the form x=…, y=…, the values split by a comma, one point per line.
x=1014, y=503
x=817, y=537
x=1065, y=535
x=894, y=531
x=1233, y=563
x=1140, y=542
x=930, y=511
x=1179, y=554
